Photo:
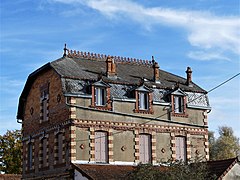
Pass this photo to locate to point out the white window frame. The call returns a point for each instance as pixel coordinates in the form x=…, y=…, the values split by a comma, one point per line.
x=143, y=98
x=100, y=96
x=178, y=104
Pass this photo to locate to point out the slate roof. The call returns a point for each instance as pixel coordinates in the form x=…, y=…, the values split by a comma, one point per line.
x=77, y=72
x=100, y=172
x=128, y=73
x=221, y=167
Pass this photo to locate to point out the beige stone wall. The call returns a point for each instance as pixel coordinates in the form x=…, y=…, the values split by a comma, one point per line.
x=58, y=111
x=197, y=146
x=123, y=146
x=195, y=116
x=82, y=144
x=163, y=145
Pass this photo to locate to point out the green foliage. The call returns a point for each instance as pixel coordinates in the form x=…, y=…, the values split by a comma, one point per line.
x=225, y=146
x=10, y=152
x=171, y=171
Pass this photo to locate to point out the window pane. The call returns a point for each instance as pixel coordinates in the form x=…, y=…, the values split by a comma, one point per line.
x=143, y=100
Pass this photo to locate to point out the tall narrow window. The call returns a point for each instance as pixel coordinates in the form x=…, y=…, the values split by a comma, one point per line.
x=60, y=147
x=145, y=148
x=178, y=104
x=180, y=148
x=30, y=155
x=101, y=96
x=44, y=102
x=44, y=151
x=143, y=101
x=101, y=147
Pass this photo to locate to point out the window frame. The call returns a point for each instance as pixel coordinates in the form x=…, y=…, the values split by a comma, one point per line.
x=179, y=103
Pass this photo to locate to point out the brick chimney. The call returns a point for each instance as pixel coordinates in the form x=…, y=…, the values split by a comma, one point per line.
x=111, y=67
x=155, y=71
x=189, y=76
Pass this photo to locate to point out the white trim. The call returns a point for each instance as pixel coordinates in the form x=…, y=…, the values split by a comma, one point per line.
x=161, y=103
x=125, y=100
x=199, y=107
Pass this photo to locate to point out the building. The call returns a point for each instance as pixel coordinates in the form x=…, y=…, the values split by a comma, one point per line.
x=87, y=108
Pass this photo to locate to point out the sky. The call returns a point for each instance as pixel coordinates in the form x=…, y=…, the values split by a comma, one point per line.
x=202, y=34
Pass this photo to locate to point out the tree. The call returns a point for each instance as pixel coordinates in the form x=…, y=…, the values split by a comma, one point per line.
x=174, y=170
x=10, y=152
x=225, y=146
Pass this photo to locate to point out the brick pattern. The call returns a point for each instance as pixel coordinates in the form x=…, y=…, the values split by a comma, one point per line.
x=72, y=114
x=40, y=156
x=153, y=144
x=92, y=143
x=57, y=159
x=136, y=146
x=173, y=146
x=72, y=148
x=206, y=146
x=188, y=146
x=28, y=167
x=205, y=120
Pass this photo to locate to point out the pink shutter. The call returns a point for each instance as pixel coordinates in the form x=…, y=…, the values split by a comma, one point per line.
x=97, y=147
x=145, y=148
x=180, y=148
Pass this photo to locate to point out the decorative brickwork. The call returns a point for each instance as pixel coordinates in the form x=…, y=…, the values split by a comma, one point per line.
x=205, y=121
x=173, y=146
x=59, y=146
x=72, y=101
x=188, y=145
x=206, y=147
x=30, y=160
x=43, y=151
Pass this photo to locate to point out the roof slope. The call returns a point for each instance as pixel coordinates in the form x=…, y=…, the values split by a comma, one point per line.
x=127, y=73
x=221, y=167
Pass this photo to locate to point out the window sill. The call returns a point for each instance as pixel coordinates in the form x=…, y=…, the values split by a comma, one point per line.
x=180, y=115
x=102, y=108
x=147, y=111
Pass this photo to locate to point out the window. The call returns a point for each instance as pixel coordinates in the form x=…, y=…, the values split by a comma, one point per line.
x=101, y=147
x=180, y=148
x=30, y=155
x=178, y=104
x=100, y=96
x=143, y=101
x=60, y=147
x=145, y=148
x=44, y=102
x=44, y=151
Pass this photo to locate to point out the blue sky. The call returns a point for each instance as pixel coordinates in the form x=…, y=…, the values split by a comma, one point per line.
x=202, y=34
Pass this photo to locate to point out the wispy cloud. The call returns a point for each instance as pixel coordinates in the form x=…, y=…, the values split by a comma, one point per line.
x=206, y=31
x=207, y=56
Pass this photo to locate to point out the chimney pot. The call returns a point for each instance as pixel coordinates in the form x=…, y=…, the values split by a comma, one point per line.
x=189, y=76
x=111, y=67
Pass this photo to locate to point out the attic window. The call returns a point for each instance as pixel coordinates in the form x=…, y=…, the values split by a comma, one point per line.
x=143, y=100
x=101, y=96
x=178, y=99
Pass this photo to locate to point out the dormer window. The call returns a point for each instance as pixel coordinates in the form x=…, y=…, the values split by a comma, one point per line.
x=178, y=99
x=143, y=100
x=101, y=96
x=178, y=104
